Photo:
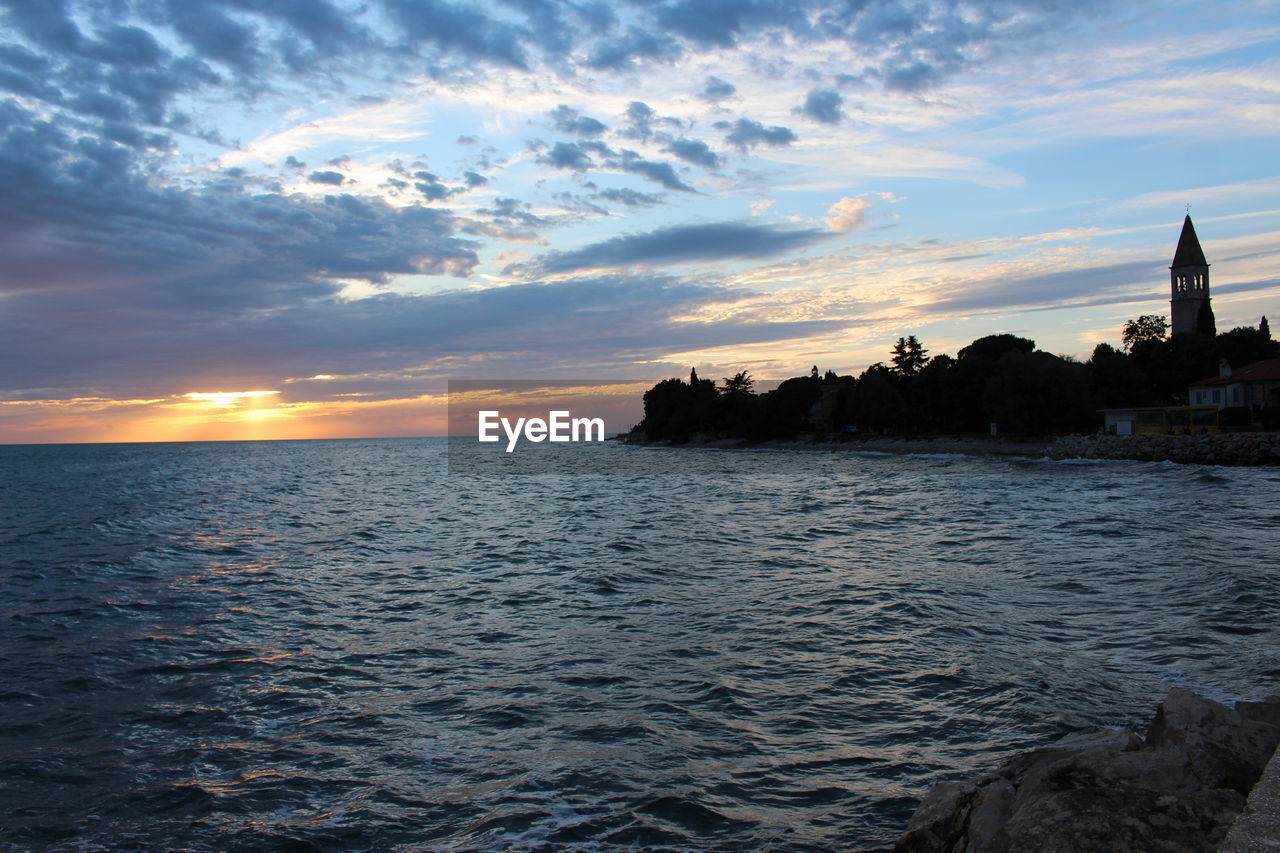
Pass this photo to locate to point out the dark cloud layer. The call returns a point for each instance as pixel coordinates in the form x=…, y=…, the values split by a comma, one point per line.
x=95, y=251
x=683, y=243
x=133, y=60
x=120, y=267
x=567, y=324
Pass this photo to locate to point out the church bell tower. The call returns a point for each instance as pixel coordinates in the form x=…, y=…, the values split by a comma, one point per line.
x=1189, y=306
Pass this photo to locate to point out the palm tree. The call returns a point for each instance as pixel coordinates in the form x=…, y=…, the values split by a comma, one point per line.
x=740, y=383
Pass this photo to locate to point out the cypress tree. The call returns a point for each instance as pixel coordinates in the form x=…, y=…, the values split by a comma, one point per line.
x=1205, y=323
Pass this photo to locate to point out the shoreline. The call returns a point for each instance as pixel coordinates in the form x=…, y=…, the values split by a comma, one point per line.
x=1248, y=449
x=977, y=446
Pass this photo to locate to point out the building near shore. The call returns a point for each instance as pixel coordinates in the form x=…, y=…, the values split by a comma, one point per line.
x=1256, y=386
x=1160, y=420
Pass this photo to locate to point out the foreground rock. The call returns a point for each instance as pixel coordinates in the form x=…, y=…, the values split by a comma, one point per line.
x=1241, y=448
x=1180, y=789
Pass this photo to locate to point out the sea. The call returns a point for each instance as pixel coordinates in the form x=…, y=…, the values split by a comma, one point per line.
x=352, y=645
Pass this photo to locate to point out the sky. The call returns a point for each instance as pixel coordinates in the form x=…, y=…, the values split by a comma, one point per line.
x=252, y=219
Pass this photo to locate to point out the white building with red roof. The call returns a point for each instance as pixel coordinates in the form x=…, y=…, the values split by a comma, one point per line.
x=1255, y=385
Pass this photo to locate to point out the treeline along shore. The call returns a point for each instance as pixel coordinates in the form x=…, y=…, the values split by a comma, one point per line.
x=922, y=403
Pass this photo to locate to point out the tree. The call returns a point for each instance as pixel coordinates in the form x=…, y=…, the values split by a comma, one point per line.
x=1036, y=393
x=876, y=402
x=1145, y=329
x=992, y=347
x=740, y=383
x=785, y=411
x=1265, y=328
x=1205, y=323
x=1117, y=379
x=1170, y=366
x=676, y=411
x=1244, y=345
x=909, y=356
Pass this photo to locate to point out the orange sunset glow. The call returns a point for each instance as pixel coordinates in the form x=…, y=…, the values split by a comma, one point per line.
x=218, y=416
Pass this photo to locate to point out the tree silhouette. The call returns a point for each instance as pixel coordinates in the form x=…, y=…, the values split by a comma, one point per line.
x=740, y=383
x=1148, y=327
x=1245, y=345
x=1205, y=323
x=998, y=378
x=909, y=356
x=993, y=348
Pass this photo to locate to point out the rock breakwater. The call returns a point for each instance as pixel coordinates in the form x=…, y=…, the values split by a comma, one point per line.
x=1178, y=789
x=1243, y=448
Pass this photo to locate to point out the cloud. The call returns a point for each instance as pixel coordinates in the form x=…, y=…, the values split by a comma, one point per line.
x=432, y=188
x=456, y=28
x=567, y=155
x=147, y=54
x=217, y=37
x=1011, y=292
x=130, y=257
x=914, y=78
x=717, y=241
x=717, y=90
x=90, y=240
x=745, y=134
x=721, y=23
x=1232, y=193
x=629, y=197
x=577, y=157
x=640, y=118
x=379, y=347
x=514, y=211
x=694, y=151
x=621, y=51
x=848, y=214
x=824, y=105
x=568, y=120
x=658, y=172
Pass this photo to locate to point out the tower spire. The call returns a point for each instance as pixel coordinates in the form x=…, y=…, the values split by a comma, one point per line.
x=1188, y=252
x=1189, y=305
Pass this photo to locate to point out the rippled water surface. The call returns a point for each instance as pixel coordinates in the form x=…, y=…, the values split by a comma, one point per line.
x=337, y=645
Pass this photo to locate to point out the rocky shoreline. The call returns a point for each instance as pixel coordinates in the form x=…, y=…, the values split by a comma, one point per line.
x=1237, y=448
x=1179, y=788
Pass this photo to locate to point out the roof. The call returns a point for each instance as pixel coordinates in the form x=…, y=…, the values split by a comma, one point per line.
x=1135, y=409
x=1188, y=253
x=1259, y=371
